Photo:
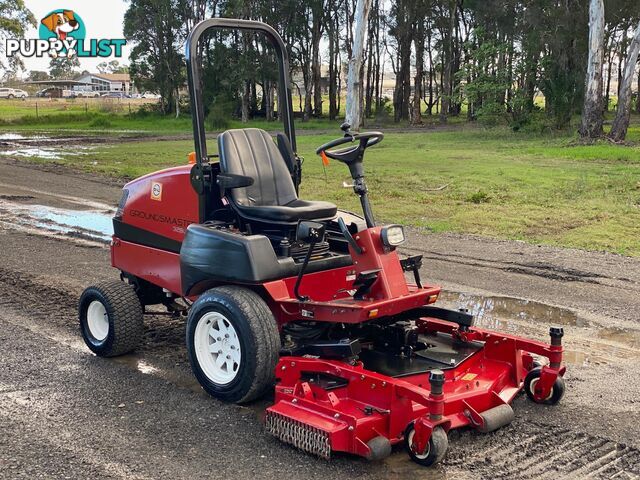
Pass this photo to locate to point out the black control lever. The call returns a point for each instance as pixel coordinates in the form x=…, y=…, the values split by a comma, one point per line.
x=347, y=234
x=311, y=233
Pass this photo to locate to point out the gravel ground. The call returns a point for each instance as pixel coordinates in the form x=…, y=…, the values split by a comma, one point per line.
x=65, y=413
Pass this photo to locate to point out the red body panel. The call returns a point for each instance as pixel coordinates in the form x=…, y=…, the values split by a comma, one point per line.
x=169, y=210
x=391, y=282
x=335, y=304
x=157, y=266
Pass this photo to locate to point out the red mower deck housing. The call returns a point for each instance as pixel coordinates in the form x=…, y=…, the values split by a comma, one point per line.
x=315, y=411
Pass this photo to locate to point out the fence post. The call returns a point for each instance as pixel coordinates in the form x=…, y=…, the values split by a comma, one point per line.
x=86, y=108
x=37, y=115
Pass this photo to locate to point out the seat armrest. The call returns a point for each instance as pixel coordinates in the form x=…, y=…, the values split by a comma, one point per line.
x=228, y=181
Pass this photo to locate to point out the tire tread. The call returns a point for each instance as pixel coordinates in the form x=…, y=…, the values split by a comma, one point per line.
x=266, y=343
x=125, y=317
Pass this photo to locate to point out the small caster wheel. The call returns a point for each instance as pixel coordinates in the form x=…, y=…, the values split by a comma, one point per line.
x=536, y=364
x=436, y=448
x=556, y=393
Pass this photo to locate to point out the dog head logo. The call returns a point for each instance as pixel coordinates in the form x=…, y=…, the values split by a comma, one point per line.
x=63, y=29
x=61, y=23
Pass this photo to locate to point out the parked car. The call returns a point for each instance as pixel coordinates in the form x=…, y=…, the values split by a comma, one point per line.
x=50, y=92
x=150, y=95
x=86, y=93
x=115, y=95
x=13, y=93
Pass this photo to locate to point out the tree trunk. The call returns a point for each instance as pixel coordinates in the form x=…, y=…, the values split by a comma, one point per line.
x=333, y=77
x=621, y=121
x=308, y=97
x=447, y=64
x=432, y=70
x=607, y=88
x=591, y=126
x=246, y=98
x=638, y=96
x=268, y=100
x=416, y=117
x=354, y=85
x=315, y=64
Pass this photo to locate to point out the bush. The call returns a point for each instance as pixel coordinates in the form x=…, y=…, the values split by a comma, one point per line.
x=478, y=197
x=109, y=105
x=384, y=113
x=147, y=110
x=492, y=115
x=100, y=122
x=220, y=113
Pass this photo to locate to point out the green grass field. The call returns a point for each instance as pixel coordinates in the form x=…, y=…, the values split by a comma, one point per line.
x=538, y=188
x=115, y=115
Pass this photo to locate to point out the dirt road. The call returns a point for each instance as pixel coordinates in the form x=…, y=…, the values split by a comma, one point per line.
x=65, y=413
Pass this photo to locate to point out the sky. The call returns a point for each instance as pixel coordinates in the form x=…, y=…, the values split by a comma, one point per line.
x=103, y=19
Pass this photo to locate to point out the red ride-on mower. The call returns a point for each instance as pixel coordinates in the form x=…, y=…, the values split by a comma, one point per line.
x=298, y=293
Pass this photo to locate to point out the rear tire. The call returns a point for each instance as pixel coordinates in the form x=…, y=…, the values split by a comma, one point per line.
x=233, y=343
x=111, y=318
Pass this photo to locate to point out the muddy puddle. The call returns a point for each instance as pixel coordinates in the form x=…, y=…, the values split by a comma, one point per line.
x=13, y=137
x=48, y=153
x=54, y=147
x=584, y=343
x=89, y=225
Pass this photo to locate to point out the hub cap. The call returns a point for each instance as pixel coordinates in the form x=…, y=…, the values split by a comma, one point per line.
x=98, y=320
x=217, y=348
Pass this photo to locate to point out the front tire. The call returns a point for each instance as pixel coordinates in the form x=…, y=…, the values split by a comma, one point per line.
x=111, y=318
x=233, y=343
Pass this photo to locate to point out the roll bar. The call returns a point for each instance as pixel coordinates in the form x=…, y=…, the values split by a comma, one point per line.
x=285, y=109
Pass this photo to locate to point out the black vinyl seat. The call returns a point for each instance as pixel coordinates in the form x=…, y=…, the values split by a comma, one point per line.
x=272, y=197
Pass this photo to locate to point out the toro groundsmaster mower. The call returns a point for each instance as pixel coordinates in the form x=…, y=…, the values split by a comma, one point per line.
x=296, y=293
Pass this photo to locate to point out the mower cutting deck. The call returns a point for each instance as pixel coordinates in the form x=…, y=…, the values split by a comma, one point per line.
x=281, y=290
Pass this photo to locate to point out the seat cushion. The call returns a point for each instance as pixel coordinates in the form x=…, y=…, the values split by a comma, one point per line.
x=272, y=197
x=292, y=212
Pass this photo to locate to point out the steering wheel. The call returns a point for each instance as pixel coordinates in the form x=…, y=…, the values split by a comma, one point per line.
x=354, y=152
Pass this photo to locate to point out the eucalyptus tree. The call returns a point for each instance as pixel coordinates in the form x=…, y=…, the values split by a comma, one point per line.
x=15, y=19
x=623, y=112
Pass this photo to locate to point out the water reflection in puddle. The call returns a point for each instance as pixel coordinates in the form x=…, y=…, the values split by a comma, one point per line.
x=144, y=367
x=49, y=153
x=524, y=317
x=18, y=136
x=89, y=224
x=494, y=312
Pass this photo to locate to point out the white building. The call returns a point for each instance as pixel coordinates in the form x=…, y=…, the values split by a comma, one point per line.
x=108, y=82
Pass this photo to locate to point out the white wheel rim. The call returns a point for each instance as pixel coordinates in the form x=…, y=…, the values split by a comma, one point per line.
x=410, y=442
x=533, y=384
x=217, y=348
x=98, y=320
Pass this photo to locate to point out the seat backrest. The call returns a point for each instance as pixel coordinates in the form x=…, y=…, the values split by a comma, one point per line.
x=252, y=152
